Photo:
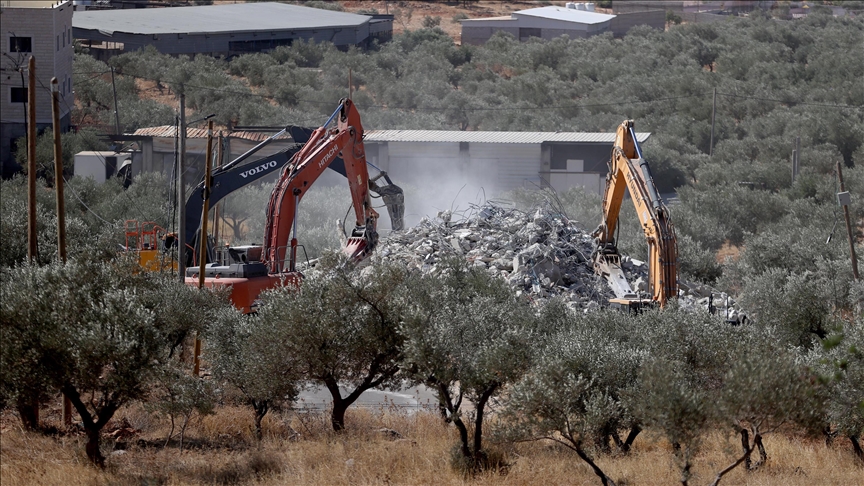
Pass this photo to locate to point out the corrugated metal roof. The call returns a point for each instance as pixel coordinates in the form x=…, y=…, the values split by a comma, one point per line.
x=241, y=17
x=169, y=131
x=493, y=137
x=489, y=18
x=567, y=14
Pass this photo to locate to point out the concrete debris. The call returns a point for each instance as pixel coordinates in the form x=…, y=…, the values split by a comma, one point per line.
x=540, y=254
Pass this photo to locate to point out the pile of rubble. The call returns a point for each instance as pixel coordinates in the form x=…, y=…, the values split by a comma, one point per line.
x=540, y=253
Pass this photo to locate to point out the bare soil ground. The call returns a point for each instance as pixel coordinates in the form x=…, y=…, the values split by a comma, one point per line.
x=300, y=449
x=409, y=15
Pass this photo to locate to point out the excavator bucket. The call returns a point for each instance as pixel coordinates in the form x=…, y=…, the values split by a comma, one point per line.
x=394, y=199
x=362, y=242
x=356, y=248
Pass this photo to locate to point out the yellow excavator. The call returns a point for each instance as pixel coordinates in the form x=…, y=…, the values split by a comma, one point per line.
x=628, y=171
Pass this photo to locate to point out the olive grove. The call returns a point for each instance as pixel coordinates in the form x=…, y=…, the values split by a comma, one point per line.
x=505, y=368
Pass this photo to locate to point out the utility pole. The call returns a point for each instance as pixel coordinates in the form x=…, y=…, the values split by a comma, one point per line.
x=202, y=238
x=32, y=248
x=116, y=113
x=796, y=159
x=713, y=113
x=844, y=199
x=181, y=192
x=66, y=413
x=220, y=159
x=58, y=171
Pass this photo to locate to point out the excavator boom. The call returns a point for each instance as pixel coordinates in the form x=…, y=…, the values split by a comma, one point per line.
x=258, y=268
x=628, y=171
x=298, y=176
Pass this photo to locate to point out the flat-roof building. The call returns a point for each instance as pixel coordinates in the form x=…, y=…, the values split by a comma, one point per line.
x=42, y=29
x=226, y=30
x=575, y=20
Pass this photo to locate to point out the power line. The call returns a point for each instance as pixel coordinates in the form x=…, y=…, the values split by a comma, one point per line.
x=803, y=103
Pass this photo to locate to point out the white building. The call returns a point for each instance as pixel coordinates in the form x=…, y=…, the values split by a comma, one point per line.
x=494, y=161
x=576, y=20
x=42, y=29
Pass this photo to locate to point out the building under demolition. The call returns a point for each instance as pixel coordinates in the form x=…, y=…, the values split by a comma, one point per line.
x=497, y=161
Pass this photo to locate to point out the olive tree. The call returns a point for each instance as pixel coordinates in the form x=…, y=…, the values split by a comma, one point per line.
x=247, y=353
x=341, y=328
x=572, y=394
x=179, y=394
x=705, y=374
x=468, y=337
x=100, y=332
x=764, y=389
x=840, y=362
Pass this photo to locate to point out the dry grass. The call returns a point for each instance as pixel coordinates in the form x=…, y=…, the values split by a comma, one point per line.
x=221, y=450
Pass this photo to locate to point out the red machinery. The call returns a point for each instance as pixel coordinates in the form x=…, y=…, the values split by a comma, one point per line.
x=257, y=268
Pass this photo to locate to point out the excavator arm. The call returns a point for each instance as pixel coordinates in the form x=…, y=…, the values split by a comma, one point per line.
x=324, y=146
x=233, y=176
x=628, y=171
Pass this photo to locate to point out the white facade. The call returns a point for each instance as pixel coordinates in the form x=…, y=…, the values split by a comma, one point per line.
x=48, y=32
x=42, y=30
x=490, y=163
x=99, y=166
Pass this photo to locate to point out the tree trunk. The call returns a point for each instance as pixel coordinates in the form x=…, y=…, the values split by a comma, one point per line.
x=763, y=456
x=856, y=446
x=478, y=421
x=261, y=409
x=183, y=429
x=631, y=437
x=685, y=473
x=28, y=409
x=745, y=444
x=337, y=416
x=604, y=479
x=829, y=435
x=92, y=424
x=92, y=448
x=170, y=433
x=447, y=401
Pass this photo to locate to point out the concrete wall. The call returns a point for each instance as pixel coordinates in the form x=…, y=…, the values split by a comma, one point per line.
x=622, y=23
x=50, y=31
x=479, y=34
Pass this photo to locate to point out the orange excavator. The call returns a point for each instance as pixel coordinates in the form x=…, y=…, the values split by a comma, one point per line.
x=628, y=170
x=254, y=269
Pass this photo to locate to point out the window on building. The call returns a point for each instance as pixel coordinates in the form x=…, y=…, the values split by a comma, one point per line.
x=20, y=44
x=58, y=42
x=19, y=95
